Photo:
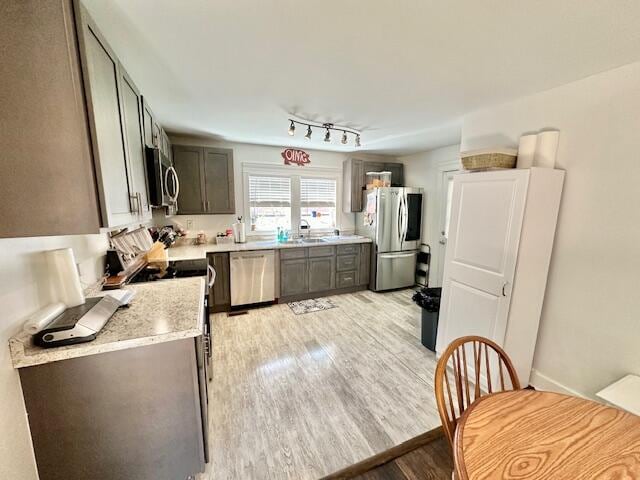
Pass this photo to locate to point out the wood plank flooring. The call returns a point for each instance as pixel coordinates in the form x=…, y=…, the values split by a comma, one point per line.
x=302, y=396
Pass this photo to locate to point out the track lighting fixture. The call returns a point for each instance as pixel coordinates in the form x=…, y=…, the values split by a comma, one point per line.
x=328, y=127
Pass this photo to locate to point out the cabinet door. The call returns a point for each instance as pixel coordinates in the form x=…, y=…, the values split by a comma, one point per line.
x=218, y=174
x=373, y=167
x=188, y=162
x=101, y=72
x=132, y=114
x=293, y=277
x=322, y=274
x=486, y=218
x=365, y=263
x=220, y=294
x=148, y=119
x=397, y=173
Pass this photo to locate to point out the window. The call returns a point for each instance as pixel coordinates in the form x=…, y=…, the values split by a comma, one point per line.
x=278, y=197
x=269, y=202
x=318, y=202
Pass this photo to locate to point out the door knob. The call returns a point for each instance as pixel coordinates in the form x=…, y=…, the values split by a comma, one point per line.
x=504, y=294
x=442, y=241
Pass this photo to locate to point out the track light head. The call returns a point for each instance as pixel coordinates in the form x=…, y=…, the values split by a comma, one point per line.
x=344, y=138
x=308, y=134
x=327, y=136
x=292, y=128
x=357, y=140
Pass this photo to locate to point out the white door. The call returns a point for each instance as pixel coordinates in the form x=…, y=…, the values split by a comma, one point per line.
x=486, y=218
x=446, y=195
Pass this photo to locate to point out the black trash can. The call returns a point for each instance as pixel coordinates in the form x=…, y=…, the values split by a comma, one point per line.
x=429, y=300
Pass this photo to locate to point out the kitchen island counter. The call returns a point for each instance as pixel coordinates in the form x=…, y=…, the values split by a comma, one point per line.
x=159, y=312
x=194, y=252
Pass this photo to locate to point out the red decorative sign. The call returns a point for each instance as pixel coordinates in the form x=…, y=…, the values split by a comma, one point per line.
x=293, y=155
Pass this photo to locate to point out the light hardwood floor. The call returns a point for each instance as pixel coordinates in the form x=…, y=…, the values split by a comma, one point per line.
x=301, y=396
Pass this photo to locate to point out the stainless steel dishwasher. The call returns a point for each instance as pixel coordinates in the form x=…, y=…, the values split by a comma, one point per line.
x=252, y=277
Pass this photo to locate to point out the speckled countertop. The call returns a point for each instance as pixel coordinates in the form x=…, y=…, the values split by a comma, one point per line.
x=193, y=252
x=160, y=312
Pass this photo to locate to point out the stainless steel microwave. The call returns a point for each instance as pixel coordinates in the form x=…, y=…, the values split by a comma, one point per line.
x=164, y=185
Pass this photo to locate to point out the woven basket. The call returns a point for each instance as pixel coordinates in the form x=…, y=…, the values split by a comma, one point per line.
x=482, y=160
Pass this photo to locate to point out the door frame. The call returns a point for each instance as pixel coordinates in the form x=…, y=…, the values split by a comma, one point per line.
x=438, y=250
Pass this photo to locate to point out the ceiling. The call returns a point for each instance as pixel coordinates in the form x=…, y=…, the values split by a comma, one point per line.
x=402, y=71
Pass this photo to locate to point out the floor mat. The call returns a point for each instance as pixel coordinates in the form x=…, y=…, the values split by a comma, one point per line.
x=312, y=305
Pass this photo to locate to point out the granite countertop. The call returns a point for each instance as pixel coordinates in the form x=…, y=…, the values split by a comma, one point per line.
x=159, y=312
x=193, y=252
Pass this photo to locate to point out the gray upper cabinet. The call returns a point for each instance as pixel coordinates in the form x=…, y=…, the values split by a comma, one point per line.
x=206, y=179
x=397, y=173
x=322, y=274
x=102, y=87
x=149, y=124
x=188, y=162
x=44, y=139
x=354, y=172
x=353, y=183
x=132, y=113
x=219, y=184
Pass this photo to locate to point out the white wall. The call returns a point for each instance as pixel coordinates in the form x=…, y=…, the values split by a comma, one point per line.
x=590, y=328
x=425, y=170
x=255, y=154
x=24, y=289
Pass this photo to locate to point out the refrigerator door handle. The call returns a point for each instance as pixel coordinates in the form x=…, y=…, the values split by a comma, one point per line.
x=399, y=222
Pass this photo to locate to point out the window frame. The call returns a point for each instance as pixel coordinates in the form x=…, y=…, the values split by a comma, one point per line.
x=274, y=170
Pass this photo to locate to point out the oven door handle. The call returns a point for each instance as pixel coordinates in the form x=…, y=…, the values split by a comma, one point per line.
x=211, y=276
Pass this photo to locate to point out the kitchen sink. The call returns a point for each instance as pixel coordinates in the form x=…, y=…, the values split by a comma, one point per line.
x=304, y=241
x=314, y=240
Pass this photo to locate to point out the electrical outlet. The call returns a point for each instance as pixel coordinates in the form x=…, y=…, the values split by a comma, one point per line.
x=189, y=224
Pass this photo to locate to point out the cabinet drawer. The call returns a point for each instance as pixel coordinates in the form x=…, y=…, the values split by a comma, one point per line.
x=293, y=253
x=321, y=252
x=347, y=262
x=350, y=249
x=346, y=279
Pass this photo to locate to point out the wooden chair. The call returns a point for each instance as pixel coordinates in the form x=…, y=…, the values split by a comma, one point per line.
x=453, y=363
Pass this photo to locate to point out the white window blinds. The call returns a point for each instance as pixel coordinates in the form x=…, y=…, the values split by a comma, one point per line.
x=317, y=192
x=269, y=191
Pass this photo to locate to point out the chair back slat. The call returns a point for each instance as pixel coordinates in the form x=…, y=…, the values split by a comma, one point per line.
x=455, y=362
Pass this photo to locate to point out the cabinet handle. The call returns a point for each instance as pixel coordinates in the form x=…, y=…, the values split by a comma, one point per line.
x=139, y=197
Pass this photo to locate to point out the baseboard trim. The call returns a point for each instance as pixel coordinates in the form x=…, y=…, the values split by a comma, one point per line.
x=543, y=382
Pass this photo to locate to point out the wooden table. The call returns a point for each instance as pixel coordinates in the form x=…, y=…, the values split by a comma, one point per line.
x=541, y=435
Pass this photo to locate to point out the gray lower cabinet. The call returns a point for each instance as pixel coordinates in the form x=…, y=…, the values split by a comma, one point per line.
x=220, y=294
x=206, y=179
x=294, y=278
x=365, y=263
x=308, y=272
x=134, y=413
x=322, y=274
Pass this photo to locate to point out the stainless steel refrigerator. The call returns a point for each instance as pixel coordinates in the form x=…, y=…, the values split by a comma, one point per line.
x=392, y=218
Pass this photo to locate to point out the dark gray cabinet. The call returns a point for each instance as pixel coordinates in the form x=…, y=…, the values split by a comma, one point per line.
x=365, y=263
x=220, y=294
x=353, y=183
x=219, y=182
x=188, y=162
x=206, y=179
x=308, y=272
x=354, y=172
x=397, y=173
x=294, y=279
x=322, y=274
